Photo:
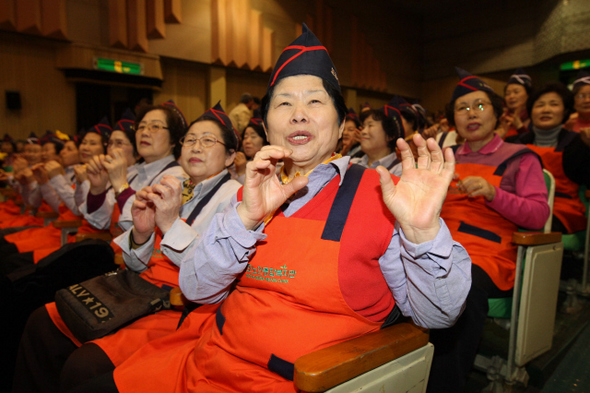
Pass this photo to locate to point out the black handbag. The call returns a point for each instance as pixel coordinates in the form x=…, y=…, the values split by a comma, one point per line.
x=103, y=304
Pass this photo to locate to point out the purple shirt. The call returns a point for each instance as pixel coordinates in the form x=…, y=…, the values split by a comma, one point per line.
x=522, y=195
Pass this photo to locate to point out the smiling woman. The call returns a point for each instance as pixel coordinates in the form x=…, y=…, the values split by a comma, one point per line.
x=340, y=278
x=566, y=154
x=483, y=207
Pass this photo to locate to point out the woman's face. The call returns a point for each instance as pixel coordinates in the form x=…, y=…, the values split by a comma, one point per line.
x=32, y=153
x=7, y=147
x=515, y=96
x=153, y=138
x=408, y=127
x=201, y=162
x=373, y=138
x=582, y=101
x=348, y=133
x=547, y=112
x=90, y=146
x=48, y=153
x=252, y=142
x=119, y=140
x=69, y=154
x=302, y=117
x=479, y=122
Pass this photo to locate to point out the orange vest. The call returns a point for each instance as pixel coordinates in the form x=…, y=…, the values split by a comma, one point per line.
x=287, y=303
x=485, y=234
x=567, y=205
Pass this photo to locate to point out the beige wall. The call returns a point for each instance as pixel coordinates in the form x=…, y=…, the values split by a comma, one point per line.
x=186, y=84
x=28, y=65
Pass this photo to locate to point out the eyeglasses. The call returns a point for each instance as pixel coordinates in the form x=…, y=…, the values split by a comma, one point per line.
x=151, y=127
x=476, y=106
x=206, y=141
x=582, y=96
x=118, y=144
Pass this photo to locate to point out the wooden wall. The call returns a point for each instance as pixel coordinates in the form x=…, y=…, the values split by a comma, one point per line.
x=186, y=84
x=28, y=65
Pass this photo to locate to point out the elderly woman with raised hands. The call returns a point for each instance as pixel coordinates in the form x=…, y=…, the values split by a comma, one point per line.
x=158, y=131
x=168, y=219
x=311, y=257
x=498, y=187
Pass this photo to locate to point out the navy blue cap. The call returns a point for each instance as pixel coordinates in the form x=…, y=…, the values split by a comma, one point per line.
x=256, y=119
x=519, y=77
x=32, y=139
x=468, y=84
x=103, y=128
x=305, y=56
x=172, y=105
x=393, y=111
x=126, y=123
x=217, y=113
x=583, y=78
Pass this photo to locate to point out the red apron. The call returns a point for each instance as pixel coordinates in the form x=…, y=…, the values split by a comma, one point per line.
x=485, y=234
x=567, y=206
x=287, y=303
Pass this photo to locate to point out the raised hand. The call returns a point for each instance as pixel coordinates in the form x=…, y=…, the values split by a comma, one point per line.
x=97, y=175
x=417, y=199
x=240, y=162
x=167, y=199
x=263, y=193
x=40, y=173
x=81, y=173
x=475, y=186
x=143, y=212
x=54, y=168
x=116, y=167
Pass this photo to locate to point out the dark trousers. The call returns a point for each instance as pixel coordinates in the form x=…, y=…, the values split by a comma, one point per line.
x=21, y=294
x=455, y=348
x=48, y=361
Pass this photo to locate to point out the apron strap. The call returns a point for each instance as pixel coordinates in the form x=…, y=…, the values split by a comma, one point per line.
x=341, y=205
x=170, y=165
x=206, y=199
x=502, y=167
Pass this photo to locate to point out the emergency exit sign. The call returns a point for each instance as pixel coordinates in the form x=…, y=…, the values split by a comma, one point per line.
x=574, y=65
x=121, y=67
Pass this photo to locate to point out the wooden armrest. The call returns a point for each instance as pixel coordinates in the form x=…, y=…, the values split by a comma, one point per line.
x=328, y=367
x=104, y=235
x=67, y=223
x=47, y=215
x=535, y=238
x=176, y=297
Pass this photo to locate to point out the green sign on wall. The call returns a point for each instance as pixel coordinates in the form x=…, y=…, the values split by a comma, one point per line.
x=574, y=65
x=121, y=67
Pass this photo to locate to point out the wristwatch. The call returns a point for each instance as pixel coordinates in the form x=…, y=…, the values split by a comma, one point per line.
x=121, y=189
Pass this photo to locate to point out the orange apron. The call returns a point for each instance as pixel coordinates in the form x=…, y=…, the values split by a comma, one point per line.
x=287, y=303
x=485, y=234
x=567, y=206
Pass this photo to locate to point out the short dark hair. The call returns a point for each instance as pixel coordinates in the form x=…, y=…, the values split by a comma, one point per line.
x=335, y=95
x=497, y=105
x=246, y=98
x=229, y=136
x=567, y=98
x=259, y=130
x=389, y=126
x=174, y=122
